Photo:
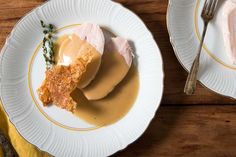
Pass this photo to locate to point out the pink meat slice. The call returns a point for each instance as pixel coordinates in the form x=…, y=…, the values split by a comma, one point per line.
x=93, y=34
x=122, y=46
x=108, y=73
x=232, y=31
x=228, y=25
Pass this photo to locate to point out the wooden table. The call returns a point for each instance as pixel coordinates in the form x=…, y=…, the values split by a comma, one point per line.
x=200, y=125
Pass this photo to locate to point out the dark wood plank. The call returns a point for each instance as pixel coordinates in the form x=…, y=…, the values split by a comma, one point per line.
x=199, y=131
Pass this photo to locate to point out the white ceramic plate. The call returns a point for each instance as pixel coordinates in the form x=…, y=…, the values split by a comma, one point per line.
x=54, y=130
x=185, y=26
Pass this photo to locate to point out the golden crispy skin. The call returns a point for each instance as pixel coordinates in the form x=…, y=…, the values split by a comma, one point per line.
x=61, y=81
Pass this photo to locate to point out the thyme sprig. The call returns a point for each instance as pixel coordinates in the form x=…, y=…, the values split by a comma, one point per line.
x=48, y=44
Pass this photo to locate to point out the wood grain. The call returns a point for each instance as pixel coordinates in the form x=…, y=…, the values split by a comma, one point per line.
x=199, y=125
x=196, y=131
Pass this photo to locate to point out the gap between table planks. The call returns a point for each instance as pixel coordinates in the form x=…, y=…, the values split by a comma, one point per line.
x=199, y=125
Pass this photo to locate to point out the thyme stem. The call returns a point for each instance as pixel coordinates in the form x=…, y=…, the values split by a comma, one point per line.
x=48, y=44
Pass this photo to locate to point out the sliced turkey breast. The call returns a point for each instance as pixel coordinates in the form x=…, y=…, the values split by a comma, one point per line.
x=228, y=24
x=116, y=62
x=86, y=39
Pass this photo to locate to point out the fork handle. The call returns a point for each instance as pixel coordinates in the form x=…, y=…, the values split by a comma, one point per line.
x=191, y=82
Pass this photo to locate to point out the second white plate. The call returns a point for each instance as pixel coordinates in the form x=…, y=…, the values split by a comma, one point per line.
x=185, y=27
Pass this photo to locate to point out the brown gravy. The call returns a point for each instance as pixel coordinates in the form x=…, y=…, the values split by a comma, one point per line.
x=111, y=108
x=114, y=106
x=112, y=71
x=69, y=47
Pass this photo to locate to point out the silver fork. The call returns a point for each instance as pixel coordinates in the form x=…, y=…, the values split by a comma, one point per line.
x=207, y=15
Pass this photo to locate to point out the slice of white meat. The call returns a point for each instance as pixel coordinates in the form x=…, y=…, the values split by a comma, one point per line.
x=116, y=62
x=86, y=39
x=121, y=46
x=228, y=24
x=93, y=34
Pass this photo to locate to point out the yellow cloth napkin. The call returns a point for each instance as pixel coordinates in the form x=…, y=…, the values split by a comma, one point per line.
x=22, y=147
